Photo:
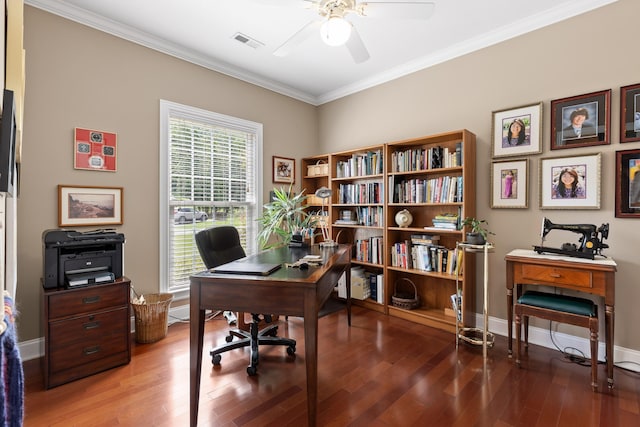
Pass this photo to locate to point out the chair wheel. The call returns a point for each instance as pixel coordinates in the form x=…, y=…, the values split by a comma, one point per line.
x=216, y=359
x=228, y=338
x=252, y=370
x=291, y=350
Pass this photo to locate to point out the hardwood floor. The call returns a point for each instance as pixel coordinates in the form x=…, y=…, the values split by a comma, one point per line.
x=382, y=371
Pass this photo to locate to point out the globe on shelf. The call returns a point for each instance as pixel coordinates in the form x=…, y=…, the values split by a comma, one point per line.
x=404, y=218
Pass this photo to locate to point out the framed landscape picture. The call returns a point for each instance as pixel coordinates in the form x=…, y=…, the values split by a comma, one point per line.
x=517, y=131
x=581, y=121
x=510, y=184
x=89, y=206
x=570, y=182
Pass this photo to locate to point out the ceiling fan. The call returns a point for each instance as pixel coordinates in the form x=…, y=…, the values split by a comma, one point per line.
x=335, y=30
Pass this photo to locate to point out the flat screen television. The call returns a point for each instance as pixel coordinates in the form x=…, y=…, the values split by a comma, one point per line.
x=8, y=169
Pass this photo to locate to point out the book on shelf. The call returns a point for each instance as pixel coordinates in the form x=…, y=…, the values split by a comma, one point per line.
x=346, y=222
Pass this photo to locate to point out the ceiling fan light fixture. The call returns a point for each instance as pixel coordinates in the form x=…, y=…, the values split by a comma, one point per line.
x=335, y=31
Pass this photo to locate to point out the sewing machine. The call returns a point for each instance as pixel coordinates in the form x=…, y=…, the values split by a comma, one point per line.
x=589, y=245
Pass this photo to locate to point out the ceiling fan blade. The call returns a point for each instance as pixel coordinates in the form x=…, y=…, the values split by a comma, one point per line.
x=304, y=33
x=399, y=9
x=356, y=47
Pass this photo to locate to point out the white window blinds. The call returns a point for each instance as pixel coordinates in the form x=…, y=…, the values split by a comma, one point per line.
x=212, y=167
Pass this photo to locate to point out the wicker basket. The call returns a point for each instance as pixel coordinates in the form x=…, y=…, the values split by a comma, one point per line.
x=152, y=317
x=405, y=299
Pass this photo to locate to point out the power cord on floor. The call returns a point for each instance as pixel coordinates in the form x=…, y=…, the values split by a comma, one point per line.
x=581, y=359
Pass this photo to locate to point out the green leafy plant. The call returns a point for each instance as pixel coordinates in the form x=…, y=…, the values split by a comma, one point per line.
x=477, y=226
x=283, y=217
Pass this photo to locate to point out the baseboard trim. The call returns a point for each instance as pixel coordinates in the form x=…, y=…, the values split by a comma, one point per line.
x=624, y=357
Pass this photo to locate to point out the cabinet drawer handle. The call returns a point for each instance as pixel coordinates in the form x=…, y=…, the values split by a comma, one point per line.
x=91, y=350
x=91, y=300
x=92, y=325
x=555, y=275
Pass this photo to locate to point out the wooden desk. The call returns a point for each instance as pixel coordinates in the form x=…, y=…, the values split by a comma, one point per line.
x=287, y=291
x=596, y=277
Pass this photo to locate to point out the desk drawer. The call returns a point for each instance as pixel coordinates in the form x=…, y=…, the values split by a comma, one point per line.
x=557, y=276
x=87, y=300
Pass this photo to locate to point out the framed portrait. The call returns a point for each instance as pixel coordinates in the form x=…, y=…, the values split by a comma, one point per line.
x=510, y=184
x=94, y=150
x=630, y=113
x=89, y=206
x=628, y=184
x=570, y=182
x=517, y=131
x=581, y=121
x=284, y=170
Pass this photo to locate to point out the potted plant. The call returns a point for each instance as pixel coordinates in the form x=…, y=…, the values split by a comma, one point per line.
x=477, y=232
x=284, y=217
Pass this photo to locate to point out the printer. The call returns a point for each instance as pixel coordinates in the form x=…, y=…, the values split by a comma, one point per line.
x=72, y=258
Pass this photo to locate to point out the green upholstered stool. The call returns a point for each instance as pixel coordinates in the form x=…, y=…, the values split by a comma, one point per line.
x=563, y=309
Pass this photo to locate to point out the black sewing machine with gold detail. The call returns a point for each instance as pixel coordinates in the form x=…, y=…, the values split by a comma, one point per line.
x=589, y=245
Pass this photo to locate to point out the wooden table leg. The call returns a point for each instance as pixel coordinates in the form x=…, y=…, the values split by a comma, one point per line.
x=311, y=354
x=509, y=321
x=196, y=339
x=609, y=320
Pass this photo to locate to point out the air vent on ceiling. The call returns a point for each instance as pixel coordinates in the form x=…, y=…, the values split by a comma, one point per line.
x=245, y=39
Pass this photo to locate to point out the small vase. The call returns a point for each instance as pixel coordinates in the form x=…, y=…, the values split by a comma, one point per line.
x=404, y=218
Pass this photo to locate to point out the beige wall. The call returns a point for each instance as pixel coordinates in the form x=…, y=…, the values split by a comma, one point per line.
x=80, y=77
x=462, y=93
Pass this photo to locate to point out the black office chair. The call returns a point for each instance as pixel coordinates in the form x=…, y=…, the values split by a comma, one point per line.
x=220, y=245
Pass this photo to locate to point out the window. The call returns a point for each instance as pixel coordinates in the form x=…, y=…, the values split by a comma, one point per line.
x=209, y=169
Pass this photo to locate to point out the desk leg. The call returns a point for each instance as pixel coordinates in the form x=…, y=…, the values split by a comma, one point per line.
x=311, y=355
x=510, y=321
x=196, y=338
x=609, y=320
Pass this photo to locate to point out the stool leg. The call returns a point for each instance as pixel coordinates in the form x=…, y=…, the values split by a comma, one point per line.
x=593, y=328
x=526, y=332
x=518, y=333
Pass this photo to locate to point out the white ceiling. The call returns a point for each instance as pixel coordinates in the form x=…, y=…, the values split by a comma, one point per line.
x=202, y=31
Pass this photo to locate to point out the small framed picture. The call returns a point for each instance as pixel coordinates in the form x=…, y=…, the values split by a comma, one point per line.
x=581, y=121
x=630, y=113
x=510, y=184
x=517, y=131
x=94, y=150
x=628, y=184
x=570, y=182
x=284, y=170
x=89, y=206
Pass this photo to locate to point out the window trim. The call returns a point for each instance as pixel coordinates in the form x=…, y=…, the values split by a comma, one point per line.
x=172, y=109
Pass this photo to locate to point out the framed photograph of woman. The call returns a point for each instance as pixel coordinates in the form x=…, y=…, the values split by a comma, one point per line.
x=516, y=131
x=630, y=113
x=581, y=121
x=510, y=184
x=628, y=184
x=570, y=182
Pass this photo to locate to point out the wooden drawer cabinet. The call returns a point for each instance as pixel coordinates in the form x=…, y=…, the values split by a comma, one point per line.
x=86, y=331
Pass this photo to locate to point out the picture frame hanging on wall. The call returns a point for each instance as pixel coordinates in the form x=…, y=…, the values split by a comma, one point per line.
x=581, y=121
x=94, y=150
x=284, y=170
x=510, y=184
x=570, y=182
x=628, y=183
x=630, y=113
x=517, y=131
x=89, y=206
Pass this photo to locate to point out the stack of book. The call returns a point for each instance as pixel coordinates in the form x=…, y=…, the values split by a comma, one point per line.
x=447, y=220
